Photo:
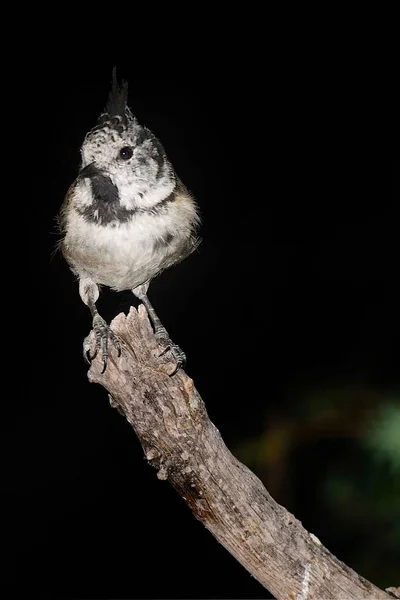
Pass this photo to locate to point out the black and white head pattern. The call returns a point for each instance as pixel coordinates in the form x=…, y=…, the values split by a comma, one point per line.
x=124, y=166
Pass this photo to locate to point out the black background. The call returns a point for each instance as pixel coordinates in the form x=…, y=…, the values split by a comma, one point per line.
x=295, y=282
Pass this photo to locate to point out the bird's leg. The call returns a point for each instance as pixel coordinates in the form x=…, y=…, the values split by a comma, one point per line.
x=161, y=333
x=89, y=292
x=162, y=336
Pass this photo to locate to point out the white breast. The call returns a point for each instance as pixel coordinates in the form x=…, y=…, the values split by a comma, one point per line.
x=128, y=254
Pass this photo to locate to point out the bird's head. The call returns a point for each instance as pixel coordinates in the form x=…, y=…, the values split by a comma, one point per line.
x=124, y=166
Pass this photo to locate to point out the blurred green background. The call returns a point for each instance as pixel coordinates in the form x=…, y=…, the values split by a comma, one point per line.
x=333, y=459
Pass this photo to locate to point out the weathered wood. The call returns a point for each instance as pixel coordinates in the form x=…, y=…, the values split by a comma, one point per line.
x=179, y=440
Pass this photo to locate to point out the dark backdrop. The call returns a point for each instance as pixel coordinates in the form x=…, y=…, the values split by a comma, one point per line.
x=293, y=289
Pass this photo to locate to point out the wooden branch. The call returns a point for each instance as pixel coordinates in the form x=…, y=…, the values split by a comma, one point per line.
x=179, y=440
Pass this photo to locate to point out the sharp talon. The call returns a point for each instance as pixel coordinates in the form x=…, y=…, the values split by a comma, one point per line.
x=180, y=364
x=176, y=352
x=103, y=335
x=165, y=350
x=86, y=351
x=174, y=372
x=91, y=358
x=86, y=356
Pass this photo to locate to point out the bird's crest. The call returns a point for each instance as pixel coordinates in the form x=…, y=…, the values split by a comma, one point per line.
x=117, y=100
x=116, y=113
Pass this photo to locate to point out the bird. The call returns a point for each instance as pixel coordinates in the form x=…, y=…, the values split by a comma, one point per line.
x=125, y=219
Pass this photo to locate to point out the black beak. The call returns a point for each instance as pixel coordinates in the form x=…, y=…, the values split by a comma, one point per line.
x=89, y=171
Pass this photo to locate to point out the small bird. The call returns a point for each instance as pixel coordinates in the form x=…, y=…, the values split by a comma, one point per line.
x=126, y=218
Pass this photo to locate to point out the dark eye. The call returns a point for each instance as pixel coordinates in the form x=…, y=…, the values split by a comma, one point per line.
x=126, y=152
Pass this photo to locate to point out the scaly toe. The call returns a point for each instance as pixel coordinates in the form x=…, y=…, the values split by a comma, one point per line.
x=177, y=353
x=103, y=334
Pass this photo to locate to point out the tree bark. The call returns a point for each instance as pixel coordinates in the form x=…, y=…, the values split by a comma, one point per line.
x=179, y=440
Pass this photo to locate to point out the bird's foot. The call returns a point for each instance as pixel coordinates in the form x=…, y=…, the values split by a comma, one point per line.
x=103, y=334
x=163, y=339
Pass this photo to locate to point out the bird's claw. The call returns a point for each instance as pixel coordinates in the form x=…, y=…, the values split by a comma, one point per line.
x=102, y=333
x=86, y=350
x=177, y=353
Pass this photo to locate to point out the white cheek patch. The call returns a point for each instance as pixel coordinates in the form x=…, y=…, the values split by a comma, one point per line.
x=138, y=179
x=137, y=193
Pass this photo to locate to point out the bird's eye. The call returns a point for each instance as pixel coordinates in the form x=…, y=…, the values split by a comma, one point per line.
x=126, y=153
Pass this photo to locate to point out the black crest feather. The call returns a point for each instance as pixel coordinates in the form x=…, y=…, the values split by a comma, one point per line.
x=117, y=101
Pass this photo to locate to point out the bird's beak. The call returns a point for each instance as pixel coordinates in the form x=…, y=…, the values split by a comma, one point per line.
x=89, y=171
